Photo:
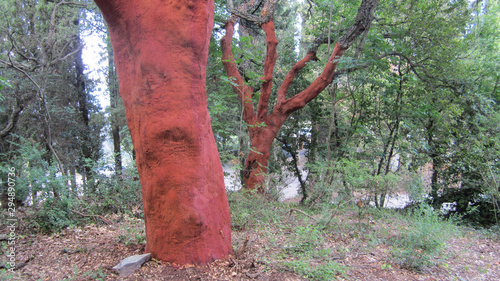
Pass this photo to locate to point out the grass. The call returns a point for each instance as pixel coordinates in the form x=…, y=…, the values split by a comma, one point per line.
x=303, y=243
x=421, y=244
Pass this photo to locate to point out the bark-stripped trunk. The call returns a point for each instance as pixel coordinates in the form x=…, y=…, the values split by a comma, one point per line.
x=262, y=125
x=161, y=52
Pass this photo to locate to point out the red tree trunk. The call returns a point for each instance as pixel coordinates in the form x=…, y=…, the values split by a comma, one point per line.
x=255, y=171
x=161, y=52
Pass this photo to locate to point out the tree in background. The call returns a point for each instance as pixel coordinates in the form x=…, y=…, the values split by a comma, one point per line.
x=116, y=108
x=161, y=52
x=263, y=124
x=42, y=60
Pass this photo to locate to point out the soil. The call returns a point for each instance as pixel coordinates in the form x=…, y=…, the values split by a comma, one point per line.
x=90, y=252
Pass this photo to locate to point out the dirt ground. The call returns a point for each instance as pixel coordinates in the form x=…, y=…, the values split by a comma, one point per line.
x=90, y=252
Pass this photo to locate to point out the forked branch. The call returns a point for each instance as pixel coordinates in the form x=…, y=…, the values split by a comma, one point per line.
x=363, y=21
x=284, y=107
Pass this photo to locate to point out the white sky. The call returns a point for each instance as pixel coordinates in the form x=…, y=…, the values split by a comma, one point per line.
x=95, y=65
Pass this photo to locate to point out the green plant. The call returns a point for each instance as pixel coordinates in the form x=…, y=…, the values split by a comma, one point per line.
x=305, y=240
x=96, y=275
x=250, y=209
x=323, y=271
x=424, y=240
x=55, y=215
x=134, y=233
x=385, y=266
x=6, y=274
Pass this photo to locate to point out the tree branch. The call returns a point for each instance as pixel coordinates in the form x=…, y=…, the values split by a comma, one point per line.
x=244, y=92
x=56, y=60
x=364, y=18
x=317, y=86
x=321, y=39
x=16, y=109
x=269, y=63
x=287, y=81
x=363, y=21
x=47, y=118
x=246, y=11
x=93, y=216
x=426, y=77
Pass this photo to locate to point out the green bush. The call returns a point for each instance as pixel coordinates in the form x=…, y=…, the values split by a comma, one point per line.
x=55, y=215
x=116, y=195
x=419, y=246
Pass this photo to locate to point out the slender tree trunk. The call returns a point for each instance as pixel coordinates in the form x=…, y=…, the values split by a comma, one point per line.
x=296, y=169
x=114, y=99
x=12, y=120
x=436, y=163
x=333, y=128
x=74, y=185
x=161, y=52
x=241, y=156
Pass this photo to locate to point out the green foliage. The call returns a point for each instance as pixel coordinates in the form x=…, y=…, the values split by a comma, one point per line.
x=39, y=185
x=422, y=244
x=347, y=177
x=55, y=215
x=116, y=195
x=134, y=233
x=324, y=271
x=249, y=209
x=304, y=240
x=5, y=274
x=3, y=83
x=95, y=275
x=35, y=176
x=305, y=252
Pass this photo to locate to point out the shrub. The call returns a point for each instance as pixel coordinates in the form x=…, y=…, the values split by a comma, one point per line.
x=55, y=215
x=424, y=240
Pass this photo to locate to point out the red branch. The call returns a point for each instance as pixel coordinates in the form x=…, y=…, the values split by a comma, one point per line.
x=298, y=101
x=269, y=63
x=291, y=75
x=284, y=107
x=245, y=93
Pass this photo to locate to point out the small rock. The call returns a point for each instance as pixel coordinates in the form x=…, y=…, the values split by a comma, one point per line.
x=131, y=264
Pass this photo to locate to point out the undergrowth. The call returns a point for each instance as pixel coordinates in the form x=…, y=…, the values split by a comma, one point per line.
x=306, y=240
x=421, y=244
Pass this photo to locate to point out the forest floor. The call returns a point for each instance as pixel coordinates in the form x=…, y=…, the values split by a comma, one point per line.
x=283, y=242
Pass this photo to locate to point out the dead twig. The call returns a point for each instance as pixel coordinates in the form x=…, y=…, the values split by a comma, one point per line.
x=335, y=212
x=243, y=248
x=253, y=276
x=93, y=216
x=302, y=212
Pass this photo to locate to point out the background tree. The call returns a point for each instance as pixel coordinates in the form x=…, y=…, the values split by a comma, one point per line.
x=42, y=59
x=262, y=125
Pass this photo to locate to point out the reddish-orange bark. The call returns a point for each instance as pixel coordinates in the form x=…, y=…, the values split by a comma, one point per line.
x=161, y=51
x=262, y=126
